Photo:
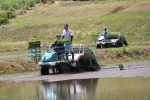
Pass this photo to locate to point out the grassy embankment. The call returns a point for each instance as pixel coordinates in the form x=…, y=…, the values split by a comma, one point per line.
x=44, y=22
x=123, y=54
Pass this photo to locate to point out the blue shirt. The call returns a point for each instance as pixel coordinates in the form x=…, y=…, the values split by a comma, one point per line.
x=105, y=33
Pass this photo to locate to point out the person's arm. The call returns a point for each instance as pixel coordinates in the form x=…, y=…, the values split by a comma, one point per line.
x=63, y=37
x=71, y=39
x=71, y=33
x=107, y=32
x=102, y=34
x=53, y=45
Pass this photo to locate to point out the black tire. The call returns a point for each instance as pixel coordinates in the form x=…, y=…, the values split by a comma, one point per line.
x=119, y=44
x=65, y=68
x=97, y=68
x=125, y=43
x=109, y=45
x=80, y=67
x=98, y=46
x=44, y=71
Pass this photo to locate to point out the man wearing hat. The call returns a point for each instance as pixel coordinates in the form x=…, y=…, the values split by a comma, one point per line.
x=56, y=44
x=67, y=34
x=105, y=32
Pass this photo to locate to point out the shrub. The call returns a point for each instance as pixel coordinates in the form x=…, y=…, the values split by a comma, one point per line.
x=37, y=1
x=15, y=5
x=30, y=3
x=3, y=18
x=5, y=6
x=10, y=6
x=11, y=15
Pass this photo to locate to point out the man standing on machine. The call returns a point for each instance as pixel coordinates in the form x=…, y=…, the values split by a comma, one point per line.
x=67, y=34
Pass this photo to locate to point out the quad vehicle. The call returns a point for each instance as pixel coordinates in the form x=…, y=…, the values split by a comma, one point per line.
x=84, y=60
x=111, y=40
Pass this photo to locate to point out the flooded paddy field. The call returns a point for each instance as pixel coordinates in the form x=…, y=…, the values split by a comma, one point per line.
x=131, y=88
x=110, y=83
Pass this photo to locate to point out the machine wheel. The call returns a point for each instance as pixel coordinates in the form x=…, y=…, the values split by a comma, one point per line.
x=119, y=44
x=98, y=46
x=109, y=46
x=65, y=68
x=80, y=67
x=97, y=68
x=44, y=71
x=125, y=43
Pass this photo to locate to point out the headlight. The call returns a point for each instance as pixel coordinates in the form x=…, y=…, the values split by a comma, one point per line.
x=49, y=56
x=43, y=58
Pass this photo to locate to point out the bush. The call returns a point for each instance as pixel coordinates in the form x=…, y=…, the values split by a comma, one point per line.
x=16, y=5
x=10, y=6
x=3, y=18
x=5, y=6
x=30, y=3
x=11, y=15
x=37, y=1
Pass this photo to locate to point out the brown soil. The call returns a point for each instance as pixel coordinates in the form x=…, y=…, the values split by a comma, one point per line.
x=139, y=7
x=132, y=69
x=17, y=66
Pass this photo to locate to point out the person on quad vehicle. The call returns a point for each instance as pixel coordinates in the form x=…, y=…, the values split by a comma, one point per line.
x=67, y=34
x=105, y=32
x=56, y=44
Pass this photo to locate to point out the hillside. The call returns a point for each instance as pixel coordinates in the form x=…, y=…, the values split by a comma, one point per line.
x=83, y=17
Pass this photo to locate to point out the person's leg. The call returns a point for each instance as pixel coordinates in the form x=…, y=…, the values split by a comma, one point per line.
x=72, y=51
x=66, y=48
x=53, y=70
x=67, y=56
x=72, y=55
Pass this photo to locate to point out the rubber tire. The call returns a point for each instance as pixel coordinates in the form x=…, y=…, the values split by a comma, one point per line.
x=109, y=46
x=97, y=69
x=119, y=44
x=125, y=43
x=80, y=67
x=98, y=46
x=44, y=71
x=65, y=68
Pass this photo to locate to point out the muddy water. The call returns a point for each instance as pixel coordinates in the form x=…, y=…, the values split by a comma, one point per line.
x=136, y=88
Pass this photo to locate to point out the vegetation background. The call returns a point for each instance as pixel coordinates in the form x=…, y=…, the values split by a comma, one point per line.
x=84, y=18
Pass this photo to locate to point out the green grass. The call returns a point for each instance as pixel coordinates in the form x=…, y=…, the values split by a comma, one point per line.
x=84, y=18
x=13, y=52
x=13, y=46
x=13, y=58
x=123, y=49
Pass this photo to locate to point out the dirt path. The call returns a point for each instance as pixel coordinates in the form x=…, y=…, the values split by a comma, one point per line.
x=14, y=55
x=132, y=69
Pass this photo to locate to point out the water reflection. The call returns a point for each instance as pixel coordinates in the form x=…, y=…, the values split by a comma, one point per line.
x=70, y=89
x=135, y=88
